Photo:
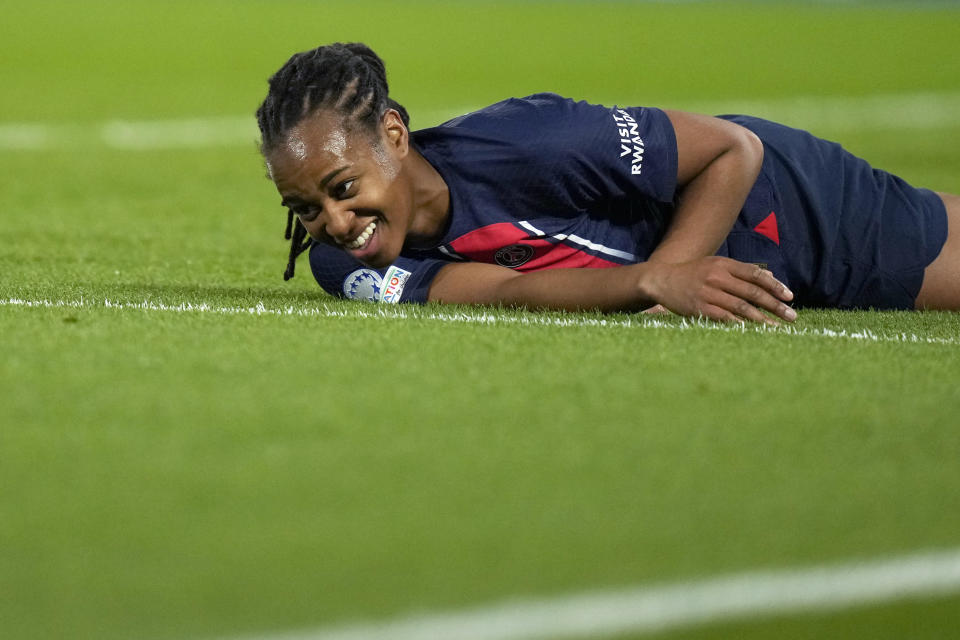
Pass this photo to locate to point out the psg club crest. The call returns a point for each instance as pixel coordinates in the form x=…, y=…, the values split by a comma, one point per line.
x=363, y=284
x=514, y=255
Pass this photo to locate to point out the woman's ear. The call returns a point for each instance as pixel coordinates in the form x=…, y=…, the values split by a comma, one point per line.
x=395, y=132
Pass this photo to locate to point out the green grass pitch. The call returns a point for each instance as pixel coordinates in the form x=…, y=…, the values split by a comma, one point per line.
x=183, y=467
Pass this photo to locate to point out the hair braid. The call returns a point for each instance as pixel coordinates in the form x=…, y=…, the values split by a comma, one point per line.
x=299, y=242
x=349, y=79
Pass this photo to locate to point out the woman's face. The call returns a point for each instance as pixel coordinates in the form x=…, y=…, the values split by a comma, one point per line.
x=347, y=185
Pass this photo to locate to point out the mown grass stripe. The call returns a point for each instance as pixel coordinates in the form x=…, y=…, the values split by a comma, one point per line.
x=390, y=312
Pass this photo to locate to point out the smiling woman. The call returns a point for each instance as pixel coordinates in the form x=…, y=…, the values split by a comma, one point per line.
x=548, y=203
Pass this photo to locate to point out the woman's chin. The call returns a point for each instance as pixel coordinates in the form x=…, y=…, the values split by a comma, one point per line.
x=376, y=259
x=376, y=263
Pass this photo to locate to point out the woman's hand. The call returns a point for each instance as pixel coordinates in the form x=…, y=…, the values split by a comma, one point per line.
x=717, y=165
x=721, y=289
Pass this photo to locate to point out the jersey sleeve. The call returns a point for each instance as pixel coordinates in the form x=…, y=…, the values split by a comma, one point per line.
x=579, y=154
x=340, y=275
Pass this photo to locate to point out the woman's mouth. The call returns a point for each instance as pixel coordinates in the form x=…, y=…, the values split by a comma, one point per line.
x=361, y=241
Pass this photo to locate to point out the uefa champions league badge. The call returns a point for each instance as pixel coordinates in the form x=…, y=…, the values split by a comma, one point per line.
x=363, y=284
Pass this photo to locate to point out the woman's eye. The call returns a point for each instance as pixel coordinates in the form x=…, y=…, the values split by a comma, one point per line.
x=342, y=189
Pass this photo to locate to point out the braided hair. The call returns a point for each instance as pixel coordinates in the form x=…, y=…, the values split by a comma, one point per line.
x=349, y=79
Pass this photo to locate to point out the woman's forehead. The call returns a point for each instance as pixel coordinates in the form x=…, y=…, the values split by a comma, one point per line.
x=322, y=131
x=318, y=140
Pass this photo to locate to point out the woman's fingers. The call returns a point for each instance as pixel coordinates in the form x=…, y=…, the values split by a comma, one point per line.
x=770, y=283
x=746, y=291
x=763, y=291
x=752, y=284
x=738, y=309
x=761, y=277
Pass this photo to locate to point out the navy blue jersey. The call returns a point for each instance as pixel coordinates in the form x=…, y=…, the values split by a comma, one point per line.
x=546, y=182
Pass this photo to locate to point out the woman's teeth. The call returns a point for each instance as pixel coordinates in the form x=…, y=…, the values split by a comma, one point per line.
x=361, y=240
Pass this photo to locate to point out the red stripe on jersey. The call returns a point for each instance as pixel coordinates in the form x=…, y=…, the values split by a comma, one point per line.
x=481, y=245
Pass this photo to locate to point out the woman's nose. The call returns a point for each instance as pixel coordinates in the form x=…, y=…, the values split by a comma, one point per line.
x=333, y=223
x=338, y=223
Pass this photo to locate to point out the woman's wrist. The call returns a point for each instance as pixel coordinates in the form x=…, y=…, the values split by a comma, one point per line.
x=646, y=282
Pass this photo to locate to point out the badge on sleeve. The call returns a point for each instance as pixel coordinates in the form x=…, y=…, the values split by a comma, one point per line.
x=393, y=283
x=363, y=284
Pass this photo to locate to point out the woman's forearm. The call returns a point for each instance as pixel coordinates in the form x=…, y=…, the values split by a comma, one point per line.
x=613, y=289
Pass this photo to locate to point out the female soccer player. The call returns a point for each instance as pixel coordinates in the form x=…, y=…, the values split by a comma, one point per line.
x=547, y=203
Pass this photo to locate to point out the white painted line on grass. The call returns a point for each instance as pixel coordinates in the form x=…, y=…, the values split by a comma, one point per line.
x=360, y=310
x=832, y=114
x=656, y=608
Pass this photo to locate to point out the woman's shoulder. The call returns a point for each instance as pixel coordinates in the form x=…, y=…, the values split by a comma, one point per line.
x=506, y=131
x=544, y=101
x=537, y=123
x=528, y=111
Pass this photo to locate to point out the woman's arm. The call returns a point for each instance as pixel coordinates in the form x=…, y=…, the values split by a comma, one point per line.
x=718, y=162
x=716, y=287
